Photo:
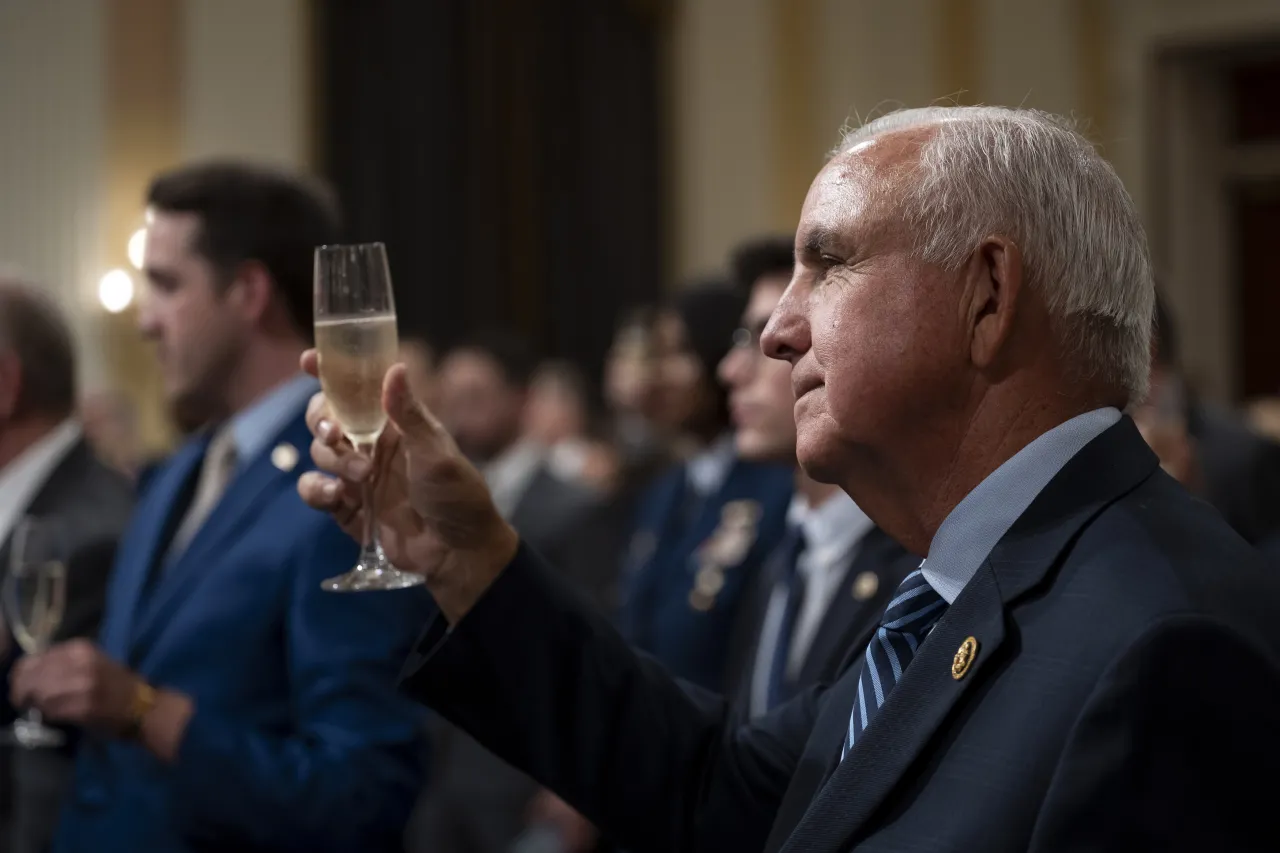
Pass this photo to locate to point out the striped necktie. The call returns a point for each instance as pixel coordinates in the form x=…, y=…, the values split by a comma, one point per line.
x=915, y=609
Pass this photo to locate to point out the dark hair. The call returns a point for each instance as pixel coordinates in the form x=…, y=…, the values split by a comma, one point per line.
x=763, y=256
x=514, y=358
x=35, y=329
x=249, y=212
x=1164, y=335
x=710, y=310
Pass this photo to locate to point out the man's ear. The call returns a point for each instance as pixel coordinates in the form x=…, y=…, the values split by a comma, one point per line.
x=993, y=285
x=251, y=288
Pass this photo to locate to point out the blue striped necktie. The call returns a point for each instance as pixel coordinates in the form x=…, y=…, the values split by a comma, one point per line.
x=915, y=609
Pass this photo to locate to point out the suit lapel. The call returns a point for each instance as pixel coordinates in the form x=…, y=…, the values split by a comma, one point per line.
x=849, y=622
x=1109, y=467
x=821, y=753
x=159, y=512
x=258, y=482
x=532, y=509
x=912, y=711
x=61, y=480
x=64, y=477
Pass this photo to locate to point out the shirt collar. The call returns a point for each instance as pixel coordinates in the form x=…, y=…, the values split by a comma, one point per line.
x=832, y=528
x=27, y=473
x=510, y=473
x=707, y=470
x=254, y=427
x=976, y=524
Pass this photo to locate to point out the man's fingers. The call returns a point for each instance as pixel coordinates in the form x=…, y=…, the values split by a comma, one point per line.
x=321, y=423
x=321, y=492
x=342, y=461
x=310, y=362
x=410, y=416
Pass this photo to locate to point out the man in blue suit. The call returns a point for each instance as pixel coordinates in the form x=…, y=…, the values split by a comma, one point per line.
x=232, y=704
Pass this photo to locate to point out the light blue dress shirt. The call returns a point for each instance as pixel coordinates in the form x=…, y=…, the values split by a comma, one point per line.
x=971, y=530
x=254, y=427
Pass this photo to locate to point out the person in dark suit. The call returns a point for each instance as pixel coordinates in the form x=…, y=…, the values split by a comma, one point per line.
x=1210, y=450
x=1086, y=660
x=48, y=471
x=823, y=589
x=475, y=802
x=703, y=528
x=231, y=703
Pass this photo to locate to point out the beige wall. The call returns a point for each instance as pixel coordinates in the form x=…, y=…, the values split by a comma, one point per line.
x=51, y=137
x=97, y=95
x=735, y=83
x=246, y=80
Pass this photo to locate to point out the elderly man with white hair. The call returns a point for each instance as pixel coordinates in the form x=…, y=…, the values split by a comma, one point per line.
x=1086, y=658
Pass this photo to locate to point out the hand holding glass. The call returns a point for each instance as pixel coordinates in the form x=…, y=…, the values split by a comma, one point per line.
x=34, y=595
x=356, y=342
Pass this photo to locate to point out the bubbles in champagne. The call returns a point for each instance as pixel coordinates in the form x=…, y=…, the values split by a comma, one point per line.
x=38, y=596
x=355, y=354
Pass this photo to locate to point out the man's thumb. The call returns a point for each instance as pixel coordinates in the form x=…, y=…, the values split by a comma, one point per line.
x=412, y=418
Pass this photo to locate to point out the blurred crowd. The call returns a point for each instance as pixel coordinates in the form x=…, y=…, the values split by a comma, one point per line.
x=214, y=698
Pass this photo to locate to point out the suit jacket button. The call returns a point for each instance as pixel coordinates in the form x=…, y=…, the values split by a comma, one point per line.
x=964, y=658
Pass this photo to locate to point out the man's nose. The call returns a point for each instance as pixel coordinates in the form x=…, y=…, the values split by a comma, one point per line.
x=786, y=337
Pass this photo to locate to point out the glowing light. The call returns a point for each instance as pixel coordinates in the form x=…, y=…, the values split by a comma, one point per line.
x=137, y=245
x=115, y=290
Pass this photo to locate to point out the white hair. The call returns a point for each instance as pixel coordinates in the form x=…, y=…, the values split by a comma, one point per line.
x=1030, y=176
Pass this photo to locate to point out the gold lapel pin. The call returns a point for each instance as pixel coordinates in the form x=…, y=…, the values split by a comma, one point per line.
x=284, y=457
x=865, y=585
x=709, y=580
x=964, y=658
x=700, y=601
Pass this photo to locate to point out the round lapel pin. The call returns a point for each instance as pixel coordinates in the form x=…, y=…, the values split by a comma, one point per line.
x=284, y=457
x=865, y=585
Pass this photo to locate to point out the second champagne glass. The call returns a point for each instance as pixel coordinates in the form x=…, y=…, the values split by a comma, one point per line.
x=34, y=595
x=355, y=317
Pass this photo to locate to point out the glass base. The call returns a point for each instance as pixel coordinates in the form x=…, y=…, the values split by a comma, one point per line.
x=32, y=735
x=362, y=579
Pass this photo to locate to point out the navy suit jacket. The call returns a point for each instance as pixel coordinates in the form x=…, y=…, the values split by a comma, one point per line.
x=299, y=740
x=664, y=558
x=1125, y=695
x=850, y=619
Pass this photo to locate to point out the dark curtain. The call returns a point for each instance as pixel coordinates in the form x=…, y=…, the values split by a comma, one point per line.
x=508, y=152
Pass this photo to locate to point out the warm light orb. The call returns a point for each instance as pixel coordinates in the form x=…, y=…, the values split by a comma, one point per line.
x=137, y=246
x=115, y=290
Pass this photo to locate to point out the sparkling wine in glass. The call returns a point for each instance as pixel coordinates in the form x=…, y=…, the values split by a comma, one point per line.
x=34, y=596
x=355, y=317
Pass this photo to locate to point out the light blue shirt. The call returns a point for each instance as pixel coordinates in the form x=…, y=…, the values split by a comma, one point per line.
x=254, y=427
x=971, y=530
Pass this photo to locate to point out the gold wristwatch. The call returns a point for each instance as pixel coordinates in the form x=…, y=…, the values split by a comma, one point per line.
x=144, y=699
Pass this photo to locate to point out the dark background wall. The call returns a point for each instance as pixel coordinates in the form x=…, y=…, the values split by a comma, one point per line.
x=508, y=152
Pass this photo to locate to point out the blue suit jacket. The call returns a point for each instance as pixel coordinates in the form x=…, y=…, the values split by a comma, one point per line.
x=661, y=614
x=299, y=740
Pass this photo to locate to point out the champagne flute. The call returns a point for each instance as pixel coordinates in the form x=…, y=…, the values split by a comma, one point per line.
x=34, y=595
x=355, y=317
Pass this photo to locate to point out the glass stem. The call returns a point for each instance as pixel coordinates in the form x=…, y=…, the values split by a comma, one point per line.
x=370, y=548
